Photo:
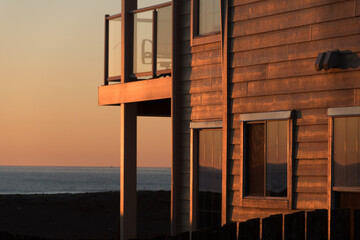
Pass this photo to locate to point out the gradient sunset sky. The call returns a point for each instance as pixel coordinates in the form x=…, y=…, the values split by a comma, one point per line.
x=51, y=64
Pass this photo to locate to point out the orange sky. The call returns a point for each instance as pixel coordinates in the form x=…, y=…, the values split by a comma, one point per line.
x=51, y=64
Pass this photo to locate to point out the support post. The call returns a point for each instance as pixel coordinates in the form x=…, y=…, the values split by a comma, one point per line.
x=154, y=44
x=128, y=171
x=127, y=36
x=106, y=51
x=225, y=104
x=175, y=122
x=127, y=129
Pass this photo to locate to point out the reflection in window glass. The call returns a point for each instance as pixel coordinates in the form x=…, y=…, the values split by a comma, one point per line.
x=209, y=179
x=266, y=159
x=143, y=42
x=164, y=34
x=276, y=160
x=209, y=16
x=346, y=151
x=255, y=159
x=114, y=47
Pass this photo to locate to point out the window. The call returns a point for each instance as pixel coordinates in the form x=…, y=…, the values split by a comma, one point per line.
x=346, y=152
x=205, y=21
x=206, y=176
x=266, y=158
x=344, y=162
x=209, y=178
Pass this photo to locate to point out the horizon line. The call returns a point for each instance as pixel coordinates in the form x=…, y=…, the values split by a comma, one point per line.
x=76, y=166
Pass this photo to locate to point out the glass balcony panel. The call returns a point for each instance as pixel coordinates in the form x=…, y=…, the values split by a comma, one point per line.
x=164, y=34
x=147, y=3
x=143, y=42
x=114, y=47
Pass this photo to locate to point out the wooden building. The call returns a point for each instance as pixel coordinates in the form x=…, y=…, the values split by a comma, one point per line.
x=264, y=100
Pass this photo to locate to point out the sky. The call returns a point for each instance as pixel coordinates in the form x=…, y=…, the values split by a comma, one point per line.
x=51, y=64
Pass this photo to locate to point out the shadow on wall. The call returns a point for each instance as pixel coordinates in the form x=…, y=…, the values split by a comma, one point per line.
x=337, y=60
x=348, y=59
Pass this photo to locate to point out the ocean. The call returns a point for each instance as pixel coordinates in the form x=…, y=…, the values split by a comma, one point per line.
x=51, y=180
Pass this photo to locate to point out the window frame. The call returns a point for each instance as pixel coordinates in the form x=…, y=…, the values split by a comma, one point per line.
x=332, y=114
x=194, y=151
x=264, y=201
x=195, y=38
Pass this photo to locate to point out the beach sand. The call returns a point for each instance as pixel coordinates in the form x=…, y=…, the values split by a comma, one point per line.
x=81, y=215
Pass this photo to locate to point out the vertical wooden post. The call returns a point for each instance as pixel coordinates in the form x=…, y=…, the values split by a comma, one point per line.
x=340, y=224
x=249, y=230
x=127, y=130
x=127, y=35
x=154, y=44
x=192, y=220
x=357, y=224
x=228, y=231
x=317, y=225
x=106, y=51
x=175, y=122
x=272, y=227
x=294, y=226
x=128, y=171
x=225, y=106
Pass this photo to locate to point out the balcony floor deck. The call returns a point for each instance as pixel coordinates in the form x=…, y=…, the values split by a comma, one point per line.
x=138, y=91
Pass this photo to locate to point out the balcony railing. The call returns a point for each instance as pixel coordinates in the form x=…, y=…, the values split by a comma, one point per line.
x=112, y=48
x=151, y=43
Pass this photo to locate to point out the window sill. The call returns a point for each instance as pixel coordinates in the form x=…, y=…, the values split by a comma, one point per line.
x=346, y=189
x=260, y=202
x=204, y=39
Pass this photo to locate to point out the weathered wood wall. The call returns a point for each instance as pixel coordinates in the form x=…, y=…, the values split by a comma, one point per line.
x=274, y=45
x=273, y=48
x=200, y=96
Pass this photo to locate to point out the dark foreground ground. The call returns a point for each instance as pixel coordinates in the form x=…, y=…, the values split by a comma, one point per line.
x=81, y=215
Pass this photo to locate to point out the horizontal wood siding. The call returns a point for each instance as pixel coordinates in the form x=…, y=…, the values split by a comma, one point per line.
x=273, y=48
x=200, y=97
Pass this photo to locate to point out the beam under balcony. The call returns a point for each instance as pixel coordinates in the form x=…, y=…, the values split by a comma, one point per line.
x=137, y=91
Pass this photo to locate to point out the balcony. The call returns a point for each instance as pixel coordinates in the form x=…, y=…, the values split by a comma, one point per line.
x=151, y=48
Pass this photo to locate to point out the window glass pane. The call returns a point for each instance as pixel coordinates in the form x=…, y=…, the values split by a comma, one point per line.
x=201, y=171
x=164, y=34
x=255, y=159
x=276, y=159
x=114, y=47
x=346, y=151
x=209, y=16
x=217, y=156
x=351, y=151
x=217, y=179
x=339, y=151
x=209, y=178
x=143, y=42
